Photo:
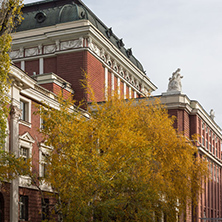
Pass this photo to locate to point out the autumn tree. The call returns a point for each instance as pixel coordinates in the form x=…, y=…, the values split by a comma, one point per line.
x=123, y=162
x=10, y=16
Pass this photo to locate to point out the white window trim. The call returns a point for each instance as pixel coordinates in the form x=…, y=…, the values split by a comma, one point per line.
x=26, y=141
x=28, y=122
x=43, y=149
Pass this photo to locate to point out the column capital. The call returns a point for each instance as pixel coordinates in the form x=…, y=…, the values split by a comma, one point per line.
x=15, y=112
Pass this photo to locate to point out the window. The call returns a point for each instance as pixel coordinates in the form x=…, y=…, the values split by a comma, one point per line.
x=42, y=122
x=24, y=110
x=45, y=209
x=24, y=208
x=25, y=107
x=202, y=126
x=24, y=152
x=44, y=155
x=43, y=162
x=214, y=173
x=203, y=142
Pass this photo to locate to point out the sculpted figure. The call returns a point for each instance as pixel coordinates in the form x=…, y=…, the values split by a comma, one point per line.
x=212, y=114
x=175, y=82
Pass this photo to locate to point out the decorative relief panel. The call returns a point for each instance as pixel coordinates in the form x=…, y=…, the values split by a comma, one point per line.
x=94, y=47
x=72, y=44
x=102, y=55
x=17, y=54
x=49, y=49
x=31, y=52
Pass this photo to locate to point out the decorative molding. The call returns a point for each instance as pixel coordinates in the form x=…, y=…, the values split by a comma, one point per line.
x=130, y=78
x=72, y=44
x=17, y=54
x=49, y=49
x=40, y=48
x=27, y=137
x=31, y=52
x=15, y=112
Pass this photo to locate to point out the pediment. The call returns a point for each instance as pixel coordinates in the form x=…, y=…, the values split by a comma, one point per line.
x=27, y=137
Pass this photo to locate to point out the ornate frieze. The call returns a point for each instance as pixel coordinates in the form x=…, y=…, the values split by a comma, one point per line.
x=130, y=78
x=31, y=52
x=71, y=44
x=17, y=53
x=49, y=49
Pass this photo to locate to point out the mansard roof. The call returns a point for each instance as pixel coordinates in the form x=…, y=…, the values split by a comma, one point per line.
x=51, y=12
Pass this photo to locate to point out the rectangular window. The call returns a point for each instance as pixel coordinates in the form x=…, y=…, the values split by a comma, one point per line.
x=24, y=110
x=45, y=209
x=24, y=208
x=42, y=123
x=43, y=163
x=24, y=152
x=203, y=126
x=43, y=170
x=203, y=142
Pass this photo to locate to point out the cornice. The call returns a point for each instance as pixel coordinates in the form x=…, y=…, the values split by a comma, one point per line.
x=79, y=35
x=20, y=78
x=181, y=101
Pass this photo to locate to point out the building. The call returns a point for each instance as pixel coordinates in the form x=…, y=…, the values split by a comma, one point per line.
x=21, y=199
x=56, y=43
x=192, y=119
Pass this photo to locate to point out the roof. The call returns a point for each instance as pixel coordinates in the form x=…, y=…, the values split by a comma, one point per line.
x=51, y=12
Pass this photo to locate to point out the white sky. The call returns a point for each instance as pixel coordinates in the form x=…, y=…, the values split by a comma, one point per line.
x=166, y=35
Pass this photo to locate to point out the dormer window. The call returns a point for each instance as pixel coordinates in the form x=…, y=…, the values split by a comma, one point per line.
x=109, y=32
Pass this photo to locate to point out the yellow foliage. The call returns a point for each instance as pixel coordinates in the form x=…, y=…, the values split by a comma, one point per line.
x=125, y=162
x=10, y=16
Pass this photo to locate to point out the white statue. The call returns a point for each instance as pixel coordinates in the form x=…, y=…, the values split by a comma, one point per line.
x=175, y=82
x=212, y=114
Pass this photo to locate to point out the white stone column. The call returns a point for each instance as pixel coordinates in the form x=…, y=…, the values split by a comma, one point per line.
x=14, y=148
x=106, y=83
x=23, y=65
x=124, y=90
x=112, y=83
x=14, y=189
x=130, y=95
x=118, y=85
x=41, y=66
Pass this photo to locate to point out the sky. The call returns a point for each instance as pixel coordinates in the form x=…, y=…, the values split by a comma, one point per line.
x=168, y=34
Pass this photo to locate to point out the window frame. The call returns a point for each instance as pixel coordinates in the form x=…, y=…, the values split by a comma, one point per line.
x=45, y=209
x=23, y=208
x=27, y=115
x=25, y=141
